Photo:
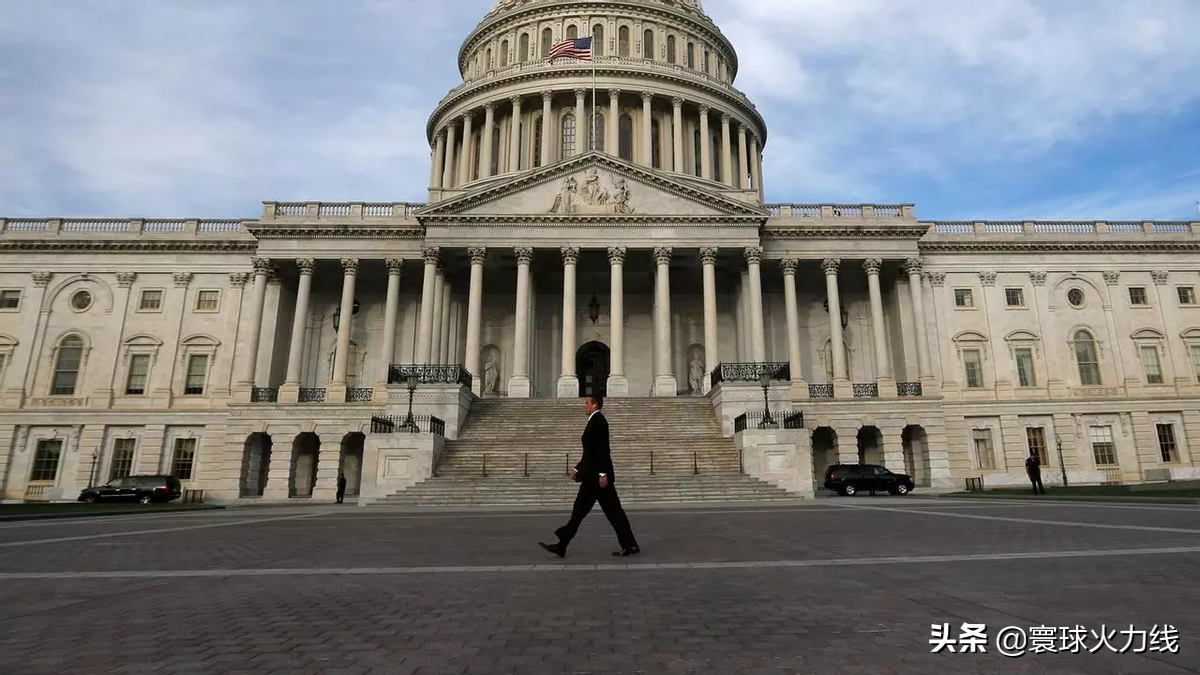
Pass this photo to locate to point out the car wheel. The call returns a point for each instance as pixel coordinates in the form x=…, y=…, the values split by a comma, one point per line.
x=902, y=489
x=145, y=499
x=849, y=491
x=91, y=499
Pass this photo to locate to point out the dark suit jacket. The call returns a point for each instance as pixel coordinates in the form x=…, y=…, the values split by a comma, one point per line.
x=597, y=457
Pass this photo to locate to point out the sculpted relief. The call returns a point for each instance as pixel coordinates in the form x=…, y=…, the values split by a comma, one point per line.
x=592, y=197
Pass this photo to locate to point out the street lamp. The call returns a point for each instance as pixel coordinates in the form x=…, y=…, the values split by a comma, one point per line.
x=1061, y=466
x=764, y=378
x=92, y=475
x=412, y=387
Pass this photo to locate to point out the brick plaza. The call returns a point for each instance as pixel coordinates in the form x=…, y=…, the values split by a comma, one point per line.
x=832, y=586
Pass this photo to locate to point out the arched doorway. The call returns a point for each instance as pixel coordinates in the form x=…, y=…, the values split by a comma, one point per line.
x=306, y=450
x=870, y=445
x=916, y=454
x=824, y=453
x=591, y=366
x=351, y=461
x=256, y=461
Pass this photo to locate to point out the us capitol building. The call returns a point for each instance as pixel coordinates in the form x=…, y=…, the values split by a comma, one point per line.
x=624, y=249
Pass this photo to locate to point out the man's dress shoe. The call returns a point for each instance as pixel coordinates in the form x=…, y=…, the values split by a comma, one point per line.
x=555, y=548
x=627, y=552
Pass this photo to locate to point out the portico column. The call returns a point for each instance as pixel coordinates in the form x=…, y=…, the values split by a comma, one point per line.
x=581, y=123
x=439, y=157
x=647, y=138
x=435, y=334
x=448, y=167
x=883, y=367
x=912, y=267
x=677, y=134
x=547, y=128
x=758, y=339
x=341, y=357
x=568, y=381
x=391, y=310
x=705, y=145
x=612, y=144
x=756, y=165
x=618, y=384
x=290, y=391
x=708, y=259
x=518, y=383
x=743, y=162
x=792, y=312
x=514, y=137
x=464, y=160
x=428, y=285
x=262, y=267
x=664, y=380
x=475, y=318
x=837, y=347
x=489, y=120
x=726, y=153
x=446, y=351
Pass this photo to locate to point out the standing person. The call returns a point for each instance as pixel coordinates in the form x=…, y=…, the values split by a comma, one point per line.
x=1033, y=467
x=341, y=491
x=594, y=473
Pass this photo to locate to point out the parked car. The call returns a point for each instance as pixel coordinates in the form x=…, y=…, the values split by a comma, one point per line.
x=143, y=489
x=850, y=479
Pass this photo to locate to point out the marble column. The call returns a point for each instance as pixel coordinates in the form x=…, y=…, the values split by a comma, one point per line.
x=726, y=152
x=841, y=382
x=262, y=267
x=664, y=380
x=647, y=134
x=912, y=267
x=758, y=338
x=677, y=134
x=446, y=350
x=792, y=311
x=547, y=128
x=391, y=313
x=568, y=380
x=743, y=162
x=581, y=123
x=435, y=339
x=432, y=255
x=489, y=121
x=883, y=366
x=618, y=384
x=448, y=167
x=708, y=259
x=336, y=392
x=756, y=175
x=612, y=133
x=475, y=318
x=439, y=157
x=290, y=391
x=464, y=162
x=518, y=382
x=514, y=137
x=705, y=145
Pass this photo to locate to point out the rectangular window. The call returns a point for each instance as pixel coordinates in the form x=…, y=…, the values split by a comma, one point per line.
x=1187, y=295
x=207, y=301
x=10, y=300
x=1014, y=297
x=151, y=300
x=183, y=459
x=1137, y=296
x=1167, y=447
x=984, y=457
x=973, y=368
x=197, y=370
x=1035, y=438
x=963, y=297
x=122, y=459
x=1151, y=364
x=45, y=460
x=139, y=371
x=1103, y=450
x=1195, y=351
x=1024, y=359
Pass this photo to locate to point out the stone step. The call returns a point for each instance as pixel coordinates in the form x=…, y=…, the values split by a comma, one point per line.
x=444, y=491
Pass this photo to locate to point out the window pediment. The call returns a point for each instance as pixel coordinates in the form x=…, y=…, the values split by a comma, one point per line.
x=1148, y=335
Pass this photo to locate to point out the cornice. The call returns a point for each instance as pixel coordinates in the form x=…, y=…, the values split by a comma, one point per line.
x=136, y=245
x=1058, y=246
x=626, y=221
x=822, y=231
x=355, y=230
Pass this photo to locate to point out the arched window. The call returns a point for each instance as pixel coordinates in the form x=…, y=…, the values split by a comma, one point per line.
x=704, y=66
x=523, y=48
x=495, y=169
x=625, y=138
x=623, y=40
x=598, y=40
x=655, y=148
x=568, y=136
x=536, y=150
x=547, y=38
x=647, y=44
x=671, y=49
x=68, y=359
x=572, y=32
x=1087, y=359
x=691, y=55
x=487, y=61
x=599, y=132
x=503, y=60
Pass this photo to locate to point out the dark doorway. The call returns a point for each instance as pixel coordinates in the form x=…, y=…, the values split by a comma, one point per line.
x=591, y=366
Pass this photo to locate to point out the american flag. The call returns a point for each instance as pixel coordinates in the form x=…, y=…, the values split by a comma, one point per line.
x=577, y=48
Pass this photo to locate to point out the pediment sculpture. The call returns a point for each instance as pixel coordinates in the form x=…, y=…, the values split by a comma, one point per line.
x=592, y=197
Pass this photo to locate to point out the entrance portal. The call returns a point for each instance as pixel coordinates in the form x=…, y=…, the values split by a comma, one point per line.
x=591, y=366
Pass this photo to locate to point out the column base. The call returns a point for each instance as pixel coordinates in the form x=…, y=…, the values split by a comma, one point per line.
x=335, y=392
x=842, y=388
x=799, y=390
x=665, y=385
x=617, y=386
x=241, y=392
x=519, y=387
x=289, y=393
x=886, y=387
x=930, y=386
x=568, y=386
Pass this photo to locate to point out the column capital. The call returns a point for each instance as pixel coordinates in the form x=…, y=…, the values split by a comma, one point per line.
x=873, y=265
x=261, y=265
x=614, y=92
x=789, y=265
x=830, y=266
x=1159, y=276
x=662, y=255
x=394, y=265
x=41, y=279
x=570, y=254
x=524, y=255
x=126, y=279
x=987, y=278
x=753, y=255
x=431, y=254
x=546, y=96
x=708, y=255
x=913, y=266
x=646, y=96
x=936, y=279
x=478, y=255
x=1038, y=278
x=725, y=117
x=349, y=266
x=441, y=134
x=305, y=265
x=238, y=279
x=489, y=107
x=579, y=93
x=677, y=101
x=515, y=101
x=616, y=255
x=467, y=117
x=182, y=279
x=704, y=109
x=1111, y=278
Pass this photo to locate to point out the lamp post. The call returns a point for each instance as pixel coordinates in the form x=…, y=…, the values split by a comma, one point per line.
x=412, y=387
x=1061, y=466
x=764, y=378
x=92, y=475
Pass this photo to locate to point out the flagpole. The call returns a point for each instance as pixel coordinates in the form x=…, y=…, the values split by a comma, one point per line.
x=592, y=54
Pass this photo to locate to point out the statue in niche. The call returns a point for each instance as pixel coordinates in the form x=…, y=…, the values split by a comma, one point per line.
x=696, y=374
x=564, y=201
x=491, y=376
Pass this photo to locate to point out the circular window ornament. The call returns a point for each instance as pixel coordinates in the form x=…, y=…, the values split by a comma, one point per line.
x=1075, y=297
x=81, y=301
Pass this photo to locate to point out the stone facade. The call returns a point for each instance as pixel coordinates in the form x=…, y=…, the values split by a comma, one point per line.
x=549, y=261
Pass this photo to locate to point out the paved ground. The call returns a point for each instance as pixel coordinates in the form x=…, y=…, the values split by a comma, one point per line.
x=836, y=586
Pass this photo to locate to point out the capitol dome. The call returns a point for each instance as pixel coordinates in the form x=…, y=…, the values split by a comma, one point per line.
x=658, y=92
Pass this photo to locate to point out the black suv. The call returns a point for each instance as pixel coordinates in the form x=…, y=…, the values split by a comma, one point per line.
x=850, y=479
x=143, y=489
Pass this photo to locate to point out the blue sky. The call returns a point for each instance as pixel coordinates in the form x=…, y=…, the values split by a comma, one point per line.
x=1026, y=109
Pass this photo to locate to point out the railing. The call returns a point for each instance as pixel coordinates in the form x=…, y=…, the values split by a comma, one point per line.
x=1112, y=475
x=781, y=210
x=749, y=372
x=36, y=492
x=780, y=419
x=430, y=374
x=975, y=484
x=359, y=394
x=820, y=391
x=865, y=389
x=311, y=395
x=397, y=424
x=1098, y=227
x=264, y=395
x=120, y=226
x=340, y=210
x=908, y=389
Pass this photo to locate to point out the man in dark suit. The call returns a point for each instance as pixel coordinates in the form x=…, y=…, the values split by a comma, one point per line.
x=594, y=473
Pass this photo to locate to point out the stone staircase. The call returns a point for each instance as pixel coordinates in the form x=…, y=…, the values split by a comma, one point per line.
x=516, y=452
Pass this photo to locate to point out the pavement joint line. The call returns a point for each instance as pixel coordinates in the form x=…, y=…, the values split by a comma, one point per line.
x=1032, y=521
x=1032, y=502
x=597, y=567
x=130, y=533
